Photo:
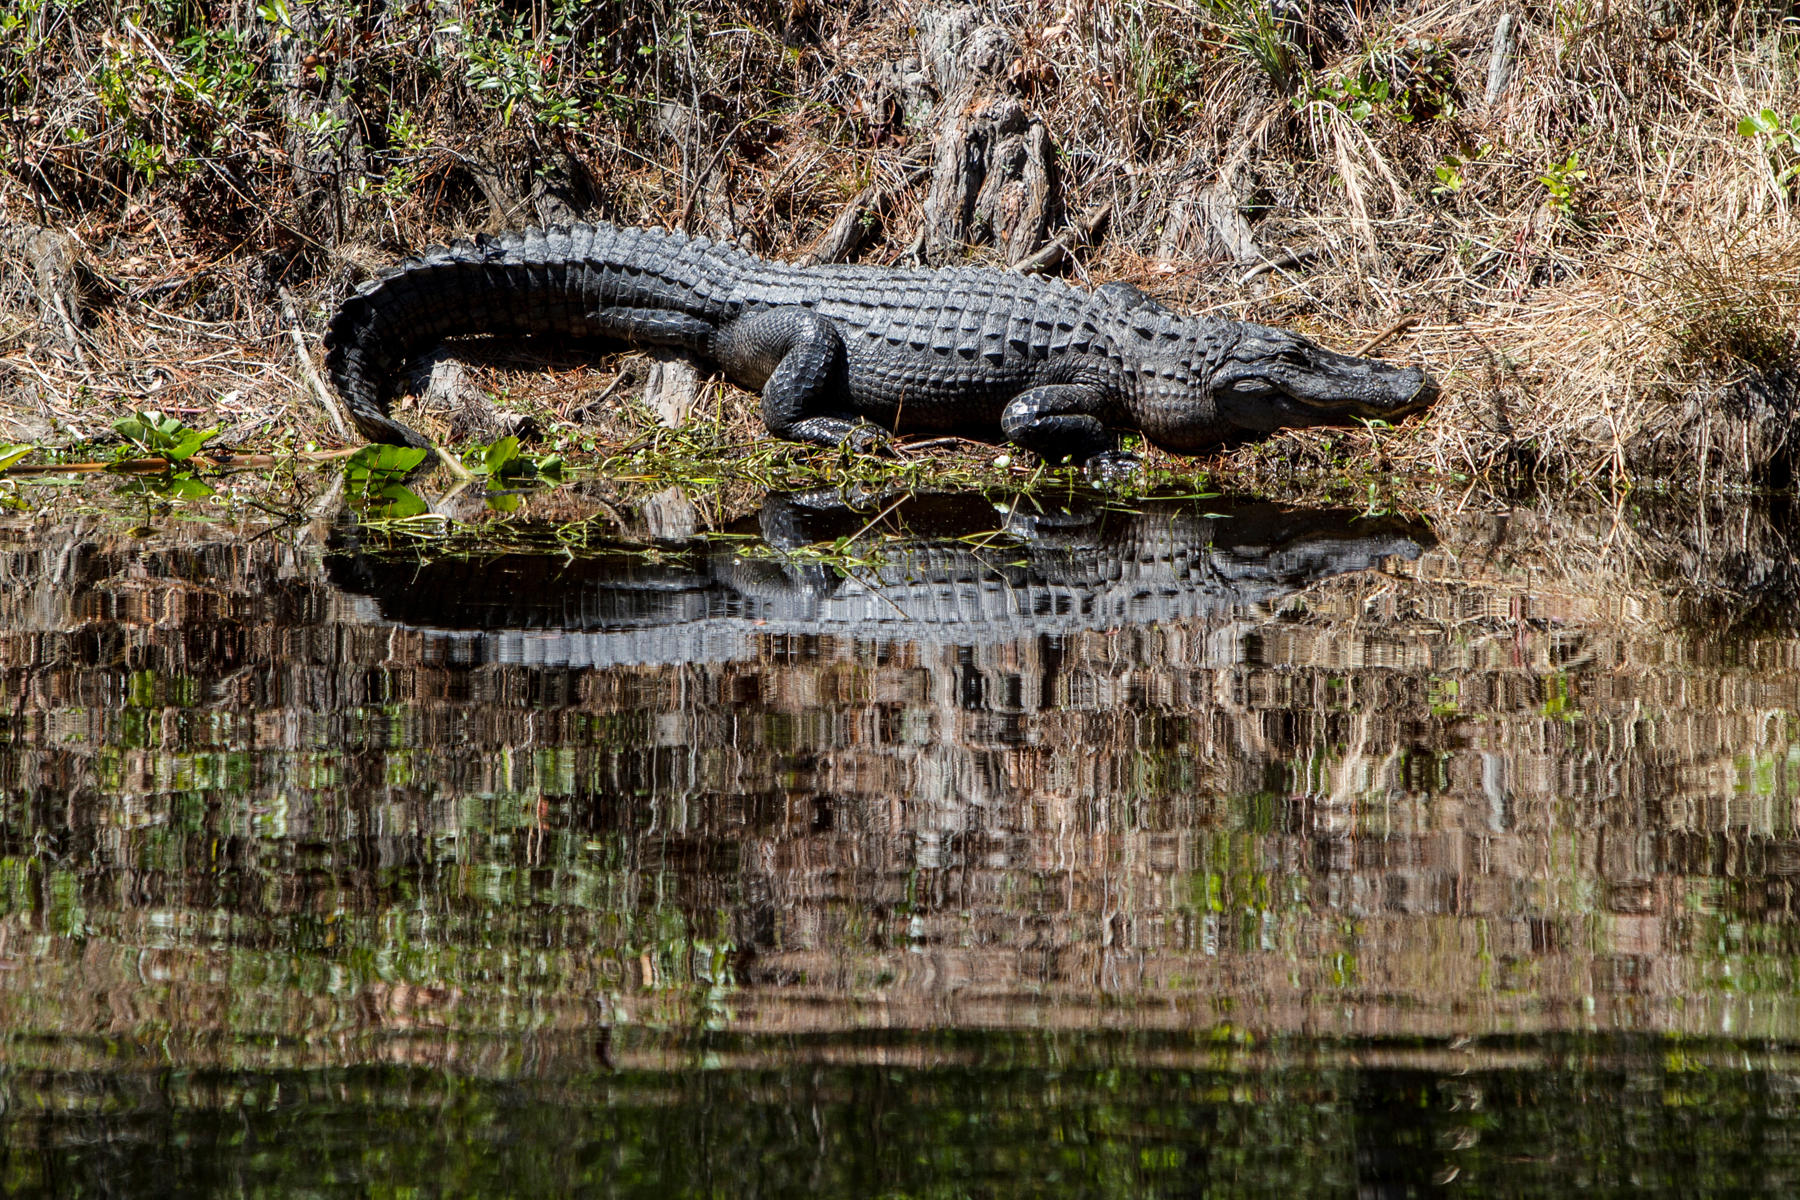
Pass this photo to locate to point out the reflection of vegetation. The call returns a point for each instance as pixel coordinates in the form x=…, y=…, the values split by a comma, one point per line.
x=1058, y=1114
x=374, y=477
x=243, y=830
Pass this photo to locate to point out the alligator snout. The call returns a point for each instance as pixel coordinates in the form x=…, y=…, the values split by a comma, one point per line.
x=1273, y=379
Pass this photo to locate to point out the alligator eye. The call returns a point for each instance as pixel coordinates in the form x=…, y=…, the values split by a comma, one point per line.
x=1253, y=385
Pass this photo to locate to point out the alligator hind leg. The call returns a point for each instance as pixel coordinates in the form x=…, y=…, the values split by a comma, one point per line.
x=1058, y=420
x=797, y=358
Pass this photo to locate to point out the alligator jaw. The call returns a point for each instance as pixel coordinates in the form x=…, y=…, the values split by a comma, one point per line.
x=1272, y=379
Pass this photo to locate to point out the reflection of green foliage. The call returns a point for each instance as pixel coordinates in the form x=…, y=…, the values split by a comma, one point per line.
x=149, y=689
x=1067, y=1114
x=372, y=479
x=1559, y=699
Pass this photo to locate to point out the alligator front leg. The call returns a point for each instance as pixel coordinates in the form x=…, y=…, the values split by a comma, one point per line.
x=797, y=356
x=1058, y=420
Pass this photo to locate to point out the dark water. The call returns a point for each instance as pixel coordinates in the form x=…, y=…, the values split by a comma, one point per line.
x=962, y=847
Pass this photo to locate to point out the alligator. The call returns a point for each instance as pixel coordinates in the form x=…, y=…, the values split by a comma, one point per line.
x=844, y=354
x=934, y=569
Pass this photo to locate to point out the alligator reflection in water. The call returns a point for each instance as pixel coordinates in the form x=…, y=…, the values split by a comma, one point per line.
x=951, y=569
x=280, y=817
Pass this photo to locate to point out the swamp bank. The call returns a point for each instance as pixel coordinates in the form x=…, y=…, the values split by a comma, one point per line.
x=1579, y=218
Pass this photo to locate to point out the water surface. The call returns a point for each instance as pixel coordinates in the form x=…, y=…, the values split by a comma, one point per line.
x=956, y=846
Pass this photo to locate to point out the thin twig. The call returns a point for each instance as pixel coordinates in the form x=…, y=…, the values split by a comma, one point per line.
x=1403, y=323
x=1287, y=258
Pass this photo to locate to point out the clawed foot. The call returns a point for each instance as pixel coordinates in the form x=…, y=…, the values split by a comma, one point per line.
x=870, y=439
x=1111, y=466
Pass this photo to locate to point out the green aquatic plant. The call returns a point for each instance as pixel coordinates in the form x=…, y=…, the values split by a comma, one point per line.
x=160, y=436
x=373, y=479
x=504, y=460
x=174, y=442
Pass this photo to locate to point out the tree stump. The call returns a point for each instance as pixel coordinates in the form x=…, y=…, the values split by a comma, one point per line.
x=993, y=174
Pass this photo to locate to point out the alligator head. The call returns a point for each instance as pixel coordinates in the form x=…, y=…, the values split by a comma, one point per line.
x=1271, y=379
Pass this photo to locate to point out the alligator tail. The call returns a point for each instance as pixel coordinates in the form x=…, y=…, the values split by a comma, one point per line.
x=578, y=281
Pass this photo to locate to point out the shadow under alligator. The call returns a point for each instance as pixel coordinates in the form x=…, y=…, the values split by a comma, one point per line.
x=950, y=568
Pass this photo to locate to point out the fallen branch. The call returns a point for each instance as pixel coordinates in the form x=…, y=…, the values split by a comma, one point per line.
x=329, y=401
x=1051, y=256
x=846, y=231
x=1279, y=262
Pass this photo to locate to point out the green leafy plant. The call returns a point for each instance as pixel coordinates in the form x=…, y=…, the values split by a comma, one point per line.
x=1564, y=181
x=1449, y=176
x=1782, y=144
x=154, y=434
x=151, y=433
x=382, y=463
x=503, y=460
x=374, y=476
x=1410, y=83
x=12, y=452
x=520, y=69
x=1254, y=32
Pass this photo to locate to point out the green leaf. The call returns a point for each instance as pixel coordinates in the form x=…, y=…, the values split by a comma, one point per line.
x=132, y=430
x=393, y=502
x=186, y=487
x=12, y=452
x=373, y=461
x=499, y=458
x=189, y=442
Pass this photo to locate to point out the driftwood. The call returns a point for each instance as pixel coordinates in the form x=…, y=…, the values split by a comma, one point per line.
x=672, y=389
x=857, y=218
